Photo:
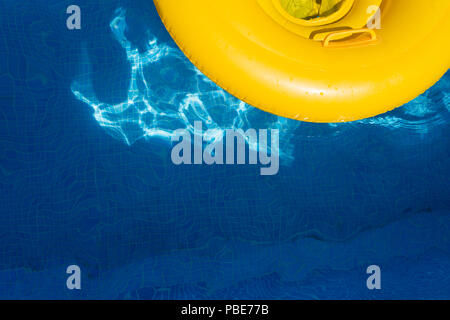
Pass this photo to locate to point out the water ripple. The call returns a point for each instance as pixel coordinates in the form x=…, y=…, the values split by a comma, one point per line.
x=167, y=92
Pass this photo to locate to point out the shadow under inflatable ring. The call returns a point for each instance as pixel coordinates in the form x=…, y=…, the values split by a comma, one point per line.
x=257, y=58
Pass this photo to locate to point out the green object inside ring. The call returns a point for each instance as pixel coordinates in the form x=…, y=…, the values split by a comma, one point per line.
x=311, y=9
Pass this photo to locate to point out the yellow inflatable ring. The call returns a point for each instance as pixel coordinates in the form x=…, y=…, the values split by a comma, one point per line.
x=342, y=71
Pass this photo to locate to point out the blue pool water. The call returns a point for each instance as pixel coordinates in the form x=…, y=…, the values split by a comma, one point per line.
x=86, y=177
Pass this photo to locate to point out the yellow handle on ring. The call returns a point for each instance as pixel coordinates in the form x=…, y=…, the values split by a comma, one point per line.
x=347, y=33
